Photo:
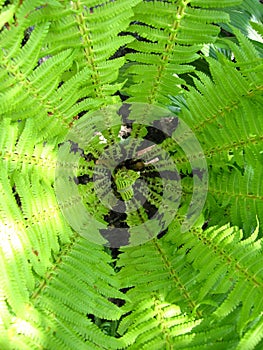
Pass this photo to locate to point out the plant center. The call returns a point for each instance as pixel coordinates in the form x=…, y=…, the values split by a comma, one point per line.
x=124, y=180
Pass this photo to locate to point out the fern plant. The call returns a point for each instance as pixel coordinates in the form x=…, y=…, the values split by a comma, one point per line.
x=60, y=62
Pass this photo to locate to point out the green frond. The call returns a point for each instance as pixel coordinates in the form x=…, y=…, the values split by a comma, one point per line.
x=158, y=268
x=258, y=27
x=92, y=289
x=162, y=278
x=228, y=266
x=39, y=87
x=14, y=251
x=221, y=276
x=156, y=323
x=28, y=7
x=21, y=153
x=252, y=337
x=53, y=319
x=241, y=195
x=79, y=27
x=29, y=54
x=238, y=110
x=171, y=39
x=248, y=58
x=241, y=16
x=7, y=14
x=215, y=3
x=32, y=95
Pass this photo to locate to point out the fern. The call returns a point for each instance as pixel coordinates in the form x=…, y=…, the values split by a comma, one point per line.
x=66, y=65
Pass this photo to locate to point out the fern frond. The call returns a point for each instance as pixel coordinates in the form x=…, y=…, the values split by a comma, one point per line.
x=27, y=8
x=215, y=3
x=258, y=27
x=36, y=244
x=159, y=325
x=55, y=320
x=241, y=195
x=92, y=290
x=170, y=39
x=155, y=272
x=21, y=153
x=252, y=339
x=14, y=250
x=6, y=14
x=79, y=26
x=229, y=128
x=160, y=277
x=31, y=95
x=228, y=266
x=240, y=17
x=223, y=276
x=89, y=83
x=156, y=323
x=248, y=58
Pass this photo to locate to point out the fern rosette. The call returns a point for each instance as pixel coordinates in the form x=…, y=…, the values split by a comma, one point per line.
x=132, y=257
x=131, y=180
